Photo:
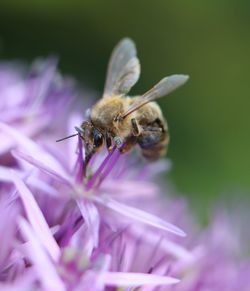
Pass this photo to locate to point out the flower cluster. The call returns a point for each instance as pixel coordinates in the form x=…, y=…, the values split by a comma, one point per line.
x=113, y=229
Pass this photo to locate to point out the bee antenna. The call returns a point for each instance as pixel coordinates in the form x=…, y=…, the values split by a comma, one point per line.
x=79, y=130
x=61, y=139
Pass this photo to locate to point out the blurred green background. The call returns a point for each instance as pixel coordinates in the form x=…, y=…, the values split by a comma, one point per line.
x=209, y=40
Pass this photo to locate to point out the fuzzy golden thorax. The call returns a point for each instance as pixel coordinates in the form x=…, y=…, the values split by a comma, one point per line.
x=105, y=111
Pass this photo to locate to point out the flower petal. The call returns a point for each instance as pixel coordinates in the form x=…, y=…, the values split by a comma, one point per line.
x=8, y=217
x=122, y=279
x=39, y=163
x=36, y=218
x=5, y=174
x=29, y=129
x=138, y=215
x=74, y=120
x=168, y=246
x=98, y=175
x=126, y=188
x=32, y=148
x=94, y=280
x=45, y=269
x=32, y=180
x=92, y=219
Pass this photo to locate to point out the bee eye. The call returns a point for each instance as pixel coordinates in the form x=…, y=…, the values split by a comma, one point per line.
x=98, y=138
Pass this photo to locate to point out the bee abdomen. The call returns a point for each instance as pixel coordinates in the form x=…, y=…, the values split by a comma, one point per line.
x=154, y=141
x=157, y=150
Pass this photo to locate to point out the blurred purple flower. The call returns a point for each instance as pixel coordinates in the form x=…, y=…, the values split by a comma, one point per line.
x=31, y=99
x=60, y=231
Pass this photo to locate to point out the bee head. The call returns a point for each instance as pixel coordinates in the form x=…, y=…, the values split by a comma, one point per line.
x=92, y=138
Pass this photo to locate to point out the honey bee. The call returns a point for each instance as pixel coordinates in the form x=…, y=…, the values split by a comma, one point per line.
x=123, y=121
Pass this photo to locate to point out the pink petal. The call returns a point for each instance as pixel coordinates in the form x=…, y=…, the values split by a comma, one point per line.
x=32, y=180
x=42, y=186
x=88, y=280
x=5, y=174
x=36, y=218
x=28, y=129
x=45, y=269
x=128, y=188
x=122, y=279
x=8, y=217
x=100, y=170
x=94, y=280
x=32, y=148
x=37, y=162
x=13, y=95
x=92, y=223
x=169, y=247
x=75, y=120
x=138, y=215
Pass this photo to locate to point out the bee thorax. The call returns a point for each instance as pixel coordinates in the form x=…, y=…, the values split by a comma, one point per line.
x=104, y=115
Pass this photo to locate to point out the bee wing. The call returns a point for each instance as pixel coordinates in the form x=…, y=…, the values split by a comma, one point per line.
x=164, y=87
x=123, y=69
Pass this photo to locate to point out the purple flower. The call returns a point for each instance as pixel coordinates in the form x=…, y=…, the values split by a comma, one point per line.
x=113, y=229
x=31, y=100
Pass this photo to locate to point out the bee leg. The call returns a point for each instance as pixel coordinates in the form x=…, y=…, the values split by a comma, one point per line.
x=129, y=144
x=108, y=141
x=153, y=142
x=88, y=156
x=154, y=129
x=135, y=127
x=118, y=141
